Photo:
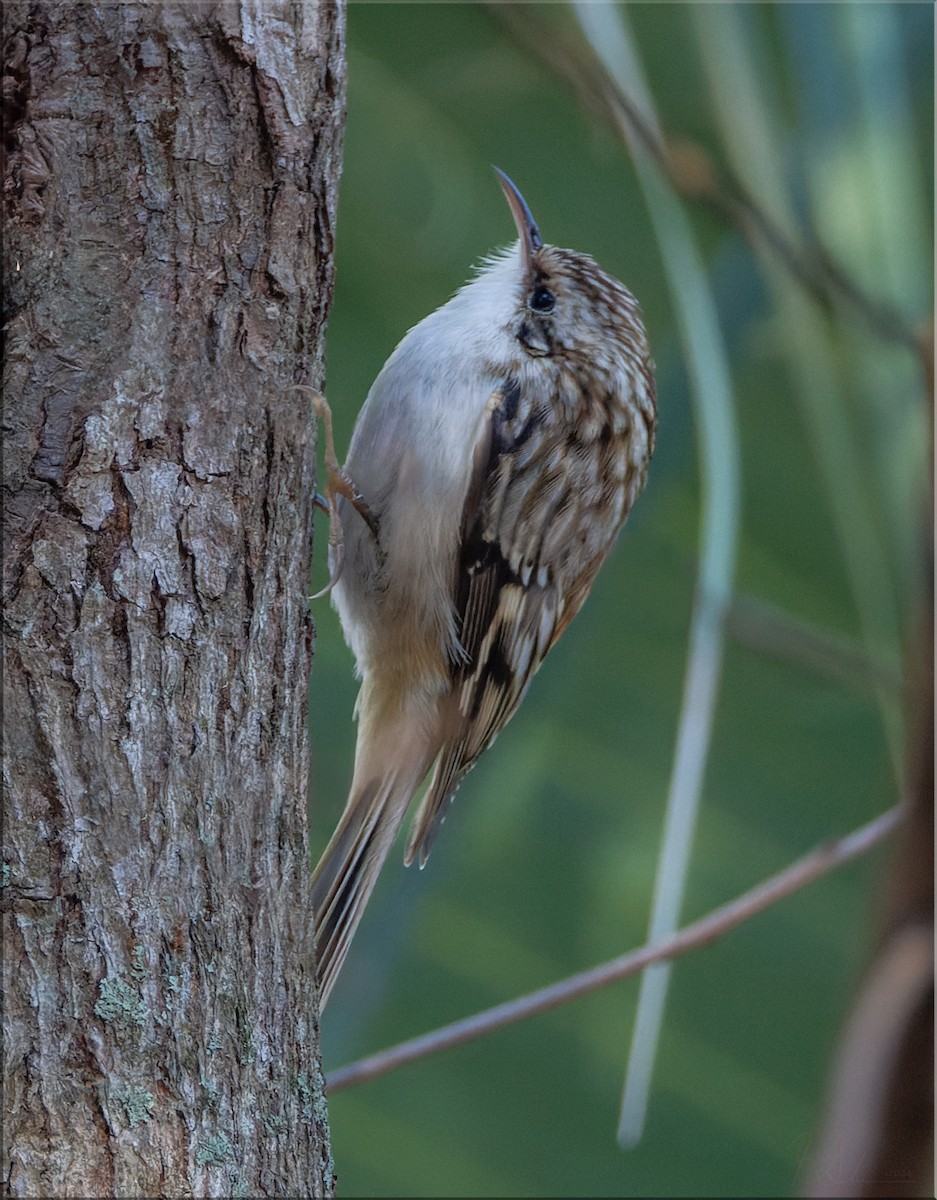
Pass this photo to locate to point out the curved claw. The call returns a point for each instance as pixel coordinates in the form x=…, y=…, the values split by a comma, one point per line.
x=336, y=574
x=336, y=546
x=338, y=483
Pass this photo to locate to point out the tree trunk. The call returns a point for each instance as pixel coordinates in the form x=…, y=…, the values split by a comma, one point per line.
x=170, y=186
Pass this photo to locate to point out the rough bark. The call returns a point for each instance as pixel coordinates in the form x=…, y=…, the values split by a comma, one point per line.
x=169, y=189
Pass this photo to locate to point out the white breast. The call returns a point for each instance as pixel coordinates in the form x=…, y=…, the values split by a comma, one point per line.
x=411, y=458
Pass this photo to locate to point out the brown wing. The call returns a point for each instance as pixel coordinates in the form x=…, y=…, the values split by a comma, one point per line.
x=529, y=554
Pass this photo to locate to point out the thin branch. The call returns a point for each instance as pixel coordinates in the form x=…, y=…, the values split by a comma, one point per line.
x=819, y=862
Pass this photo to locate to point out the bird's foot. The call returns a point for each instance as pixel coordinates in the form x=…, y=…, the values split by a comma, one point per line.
x=338, y=483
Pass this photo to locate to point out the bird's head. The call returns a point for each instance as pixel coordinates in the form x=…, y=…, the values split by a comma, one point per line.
x=566, y=305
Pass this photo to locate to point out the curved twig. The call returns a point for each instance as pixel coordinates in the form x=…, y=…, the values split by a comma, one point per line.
x=817, y=863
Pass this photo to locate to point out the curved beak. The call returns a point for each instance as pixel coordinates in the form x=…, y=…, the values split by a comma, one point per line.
x=531, y=241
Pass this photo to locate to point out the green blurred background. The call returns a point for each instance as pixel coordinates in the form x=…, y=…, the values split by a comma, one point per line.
x=546, y=863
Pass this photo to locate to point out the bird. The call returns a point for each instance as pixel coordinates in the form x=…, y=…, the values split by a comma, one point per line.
x=497, y=454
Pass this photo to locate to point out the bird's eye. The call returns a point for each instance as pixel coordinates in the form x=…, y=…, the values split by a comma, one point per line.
x=542, y=300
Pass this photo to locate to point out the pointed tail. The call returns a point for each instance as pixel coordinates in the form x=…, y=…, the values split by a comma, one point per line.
x=392, y=758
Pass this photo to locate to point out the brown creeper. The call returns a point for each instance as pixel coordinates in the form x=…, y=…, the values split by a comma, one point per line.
x=500, y=451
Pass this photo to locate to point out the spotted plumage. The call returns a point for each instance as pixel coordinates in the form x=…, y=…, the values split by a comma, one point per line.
x=500, y=451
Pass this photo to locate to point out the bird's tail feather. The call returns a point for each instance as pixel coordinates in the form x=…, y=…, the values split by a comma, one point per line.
x=386, y=776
